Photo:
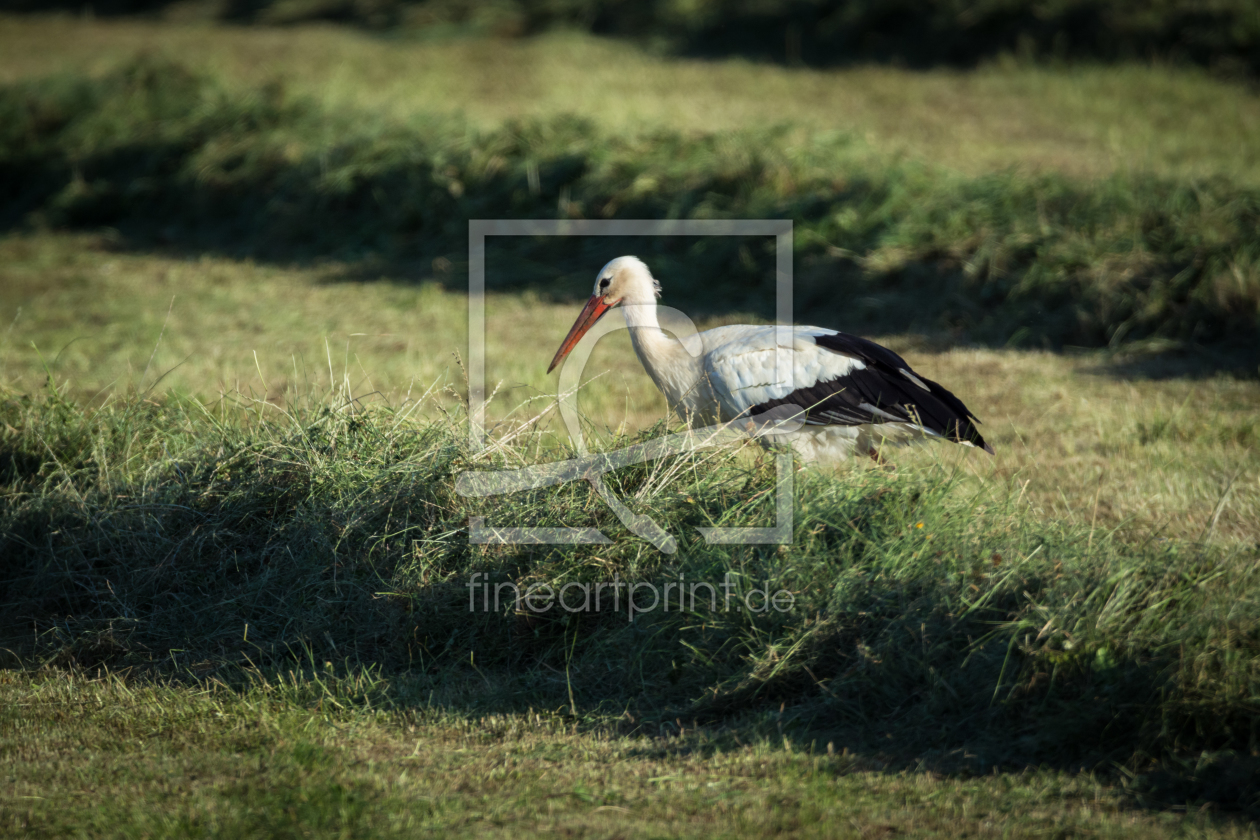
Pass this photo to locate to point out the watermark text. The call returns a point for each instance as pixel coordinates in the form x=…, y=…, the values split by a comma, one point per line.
x=639, y=597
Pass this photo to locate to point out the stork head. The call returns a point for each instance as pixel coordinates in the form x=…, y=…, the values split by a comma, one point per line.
x=624, y=280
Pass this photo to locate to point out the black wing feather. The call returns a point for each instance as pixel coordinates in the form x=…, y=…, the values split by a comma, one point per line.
x=886, y=383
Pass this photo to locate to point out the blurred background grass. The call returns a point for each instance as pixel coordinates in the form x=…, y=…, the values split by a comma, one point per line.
x=163, y=155
x=1221, y=34
x=1081, y=118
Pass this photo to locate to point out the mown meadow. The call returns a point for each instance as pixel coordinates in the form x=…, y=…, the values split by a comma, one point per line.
x=235, y=569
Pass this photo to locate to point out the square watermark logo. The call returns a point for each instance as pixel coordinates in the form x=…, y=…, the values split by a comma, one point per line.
x=590, y=467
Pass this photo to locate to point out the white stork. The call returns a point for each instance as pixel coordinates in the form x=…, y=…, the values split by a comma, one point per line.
x=853, y=392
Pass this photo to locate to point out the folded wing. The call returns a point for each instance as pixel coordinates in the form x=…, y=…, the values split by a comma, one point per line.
x=838, y=380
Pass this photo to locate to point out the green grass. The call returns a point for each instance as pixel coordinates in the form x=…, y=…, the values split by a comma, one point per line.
x=1151, y=455
x=163, y=154
x=936, y=623
x=111, y=758
x=1081, y=120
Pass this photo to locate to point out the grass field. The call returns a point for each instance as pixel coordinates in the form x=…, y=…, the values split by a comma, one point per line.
x=1087, y=121
x=227, y=763
x=1093, y=444
x=234, y=568
x=160, y=154
x=250, y=764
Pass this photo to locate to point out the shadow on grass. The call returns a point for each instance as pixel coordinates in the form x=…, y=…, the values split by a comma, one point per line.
x=1159, y=361
x=923, y=35
x=325, y=556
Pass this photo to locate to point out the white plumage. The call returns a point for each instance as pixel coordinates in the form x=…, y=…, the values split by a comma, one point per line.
x=853, y=393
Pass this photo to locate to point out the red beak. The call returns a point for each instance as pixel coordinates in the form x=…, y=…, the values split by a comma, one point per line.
x=592, y=312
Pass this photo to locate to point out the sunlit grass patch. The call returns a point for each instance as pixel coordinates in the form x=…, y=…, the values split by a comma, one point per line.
x=116, y=757
x=1166, y=456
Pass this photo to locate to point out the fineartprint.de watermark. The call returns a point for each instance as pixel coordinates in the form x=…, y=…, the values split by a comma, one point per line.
x=584, y=597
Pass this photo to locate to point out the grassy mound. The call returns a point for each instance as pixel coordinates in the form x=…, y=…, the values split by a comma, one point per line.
x=169, y=157
x=930, y=619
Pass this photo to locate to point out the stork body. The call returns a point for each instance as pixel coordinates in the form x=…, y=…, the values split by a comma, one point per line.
x=853, y=393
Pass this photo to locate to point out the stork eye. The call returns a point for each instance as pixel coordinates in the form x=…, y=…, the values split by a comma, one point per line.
x=603, y=284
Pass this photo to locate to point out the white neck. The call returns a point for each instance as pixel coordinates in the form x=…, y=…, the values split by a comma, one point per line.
x=675, y=371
